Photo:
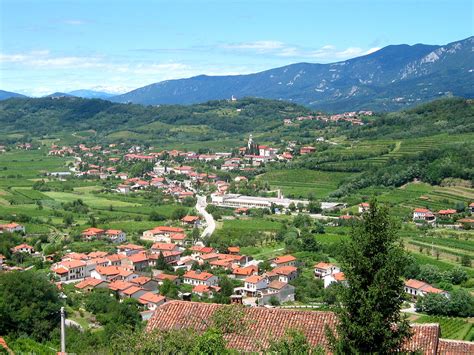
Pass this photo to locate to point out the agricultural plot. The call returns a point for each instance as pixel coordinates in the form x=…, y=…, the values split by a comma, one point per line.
x=301, y=183
x=451, y=328
x=254, y=224
x=29, y=164
x=89, y=199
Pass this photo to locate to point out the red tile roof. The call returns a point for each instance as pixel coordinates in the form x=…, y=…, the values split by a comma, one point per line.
x=151, y=297
x=266, y=324
x=88, y=282
x=189, y=219
x=198, y=275
x=455, y=347
x=285, y=270
x=323, y=266
x=284, y=259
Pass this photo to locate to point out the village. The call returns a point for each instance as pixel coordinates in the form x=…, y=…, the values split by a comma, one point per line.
x=179, y=255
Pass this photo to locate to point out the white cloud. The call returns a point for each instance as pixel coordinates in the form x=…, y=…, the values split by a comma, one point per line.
x=74, y=22
x=258, y=46
x=326, y=53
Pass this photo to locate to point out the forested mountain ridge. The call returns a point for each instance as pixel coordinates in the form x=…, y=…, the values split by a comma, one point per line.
x=395, y=77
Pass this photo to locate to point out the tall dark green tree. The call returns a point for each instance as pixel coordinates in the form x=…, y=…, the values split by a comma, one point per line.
x=29, y=305
x=369, y=309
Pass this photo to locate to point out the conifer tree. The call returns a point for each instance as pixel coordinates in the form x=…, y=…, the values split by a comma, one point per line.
x=369, y=318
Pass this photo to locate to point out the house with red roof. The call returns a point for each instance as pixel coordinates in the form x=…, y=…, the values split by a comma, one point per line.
x=93, y=233
x=162, y=234
x=205, y=290
x=133, y=292
x=136, y=262
x=241, y=273
x=337, y=277
x=416, y=288
x=161, y=277
x=89, y=284
x=112, y=273
x=285, y=260
x=151, y=300
x=116, y=235
x=192, y=221
x=23, y=248
x=130, y=249
x=145, y=282
x=282, y=291
x=307, y=150
x=12, y=227
x=423, y=214
x=253, y=284
x=363, y=207
x=323, y=269
x=70, y=270
x=198, y=277
x=158, y=248
x=283, y=273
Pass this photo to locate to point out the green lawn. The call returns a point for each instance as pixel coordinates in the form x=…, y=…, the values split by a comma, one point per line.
x=89, y=199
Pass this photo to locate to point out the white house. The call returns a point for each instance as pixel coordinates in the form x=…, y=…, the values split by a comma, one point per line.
x=324, y=269
x=254, y=284
x=332, y=278
x=416, y=288
x=423, y=214
x=70, y=270
x=200, y=278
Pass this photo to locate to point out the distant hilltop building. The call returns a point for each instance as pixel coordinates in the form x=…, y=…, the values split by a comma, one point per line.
x=233, y=98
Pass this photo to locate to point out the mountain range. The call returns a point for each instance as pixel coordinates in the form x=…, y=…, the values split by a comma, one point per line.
x=392, y=78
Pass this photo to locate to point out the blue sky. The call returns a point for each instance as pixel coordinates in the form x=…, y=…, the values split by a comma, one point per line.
x=48, y=46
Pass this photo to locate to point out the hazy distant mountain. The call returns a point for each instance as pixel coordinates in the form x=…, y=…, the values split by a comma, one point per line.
x=91, y=94
x=394, y=77
x=8, y=94
x=59, y=94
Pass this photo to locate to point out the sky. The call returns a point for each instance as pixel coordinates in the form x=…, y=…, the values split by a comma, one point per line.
x=117, y=45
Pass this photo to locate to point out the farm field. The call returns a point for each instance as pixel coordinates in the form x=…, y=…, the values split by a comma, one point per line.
x=301, y=183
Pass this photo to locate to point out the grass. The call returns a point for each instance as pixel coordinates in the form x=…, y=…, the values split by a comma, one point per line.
x=89, y=199
x=451, y=328
x=254, y=224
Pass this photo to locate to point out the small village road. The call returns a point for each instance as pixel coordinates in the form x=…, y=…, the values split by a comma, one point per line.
x=201, y=205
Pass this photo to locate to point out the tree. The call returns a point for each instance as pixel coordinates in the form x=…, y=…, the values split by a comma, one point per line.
x=466, y=260
x=210, y=342
x=161, y=263
x=29, y=304
x=293, y=342
x=369, y=311
x=178, y=213
x=457, y=276
x=169, y=289
x=68, y=219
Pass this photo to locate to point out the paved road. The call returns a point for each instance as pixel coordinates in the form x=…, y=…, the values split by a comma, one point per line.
x=201, y=205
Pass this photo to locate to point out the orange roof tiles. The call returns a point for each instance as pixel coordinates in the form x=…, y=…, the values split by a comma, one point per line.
x=455, y=347
x=150, y=297
x=285, y=270
x=88, y=282
x=284, y=259
x=120, y=285
x=267, y=324
x=254, y=279
x=198, y=275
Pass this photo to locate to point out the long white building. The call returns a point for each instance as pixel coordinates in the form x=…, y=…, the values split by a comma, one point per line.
x=236, y=200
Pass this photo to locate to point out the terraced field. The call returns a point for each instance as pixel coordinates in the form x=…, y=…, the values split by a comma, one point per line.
x=300, y=182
